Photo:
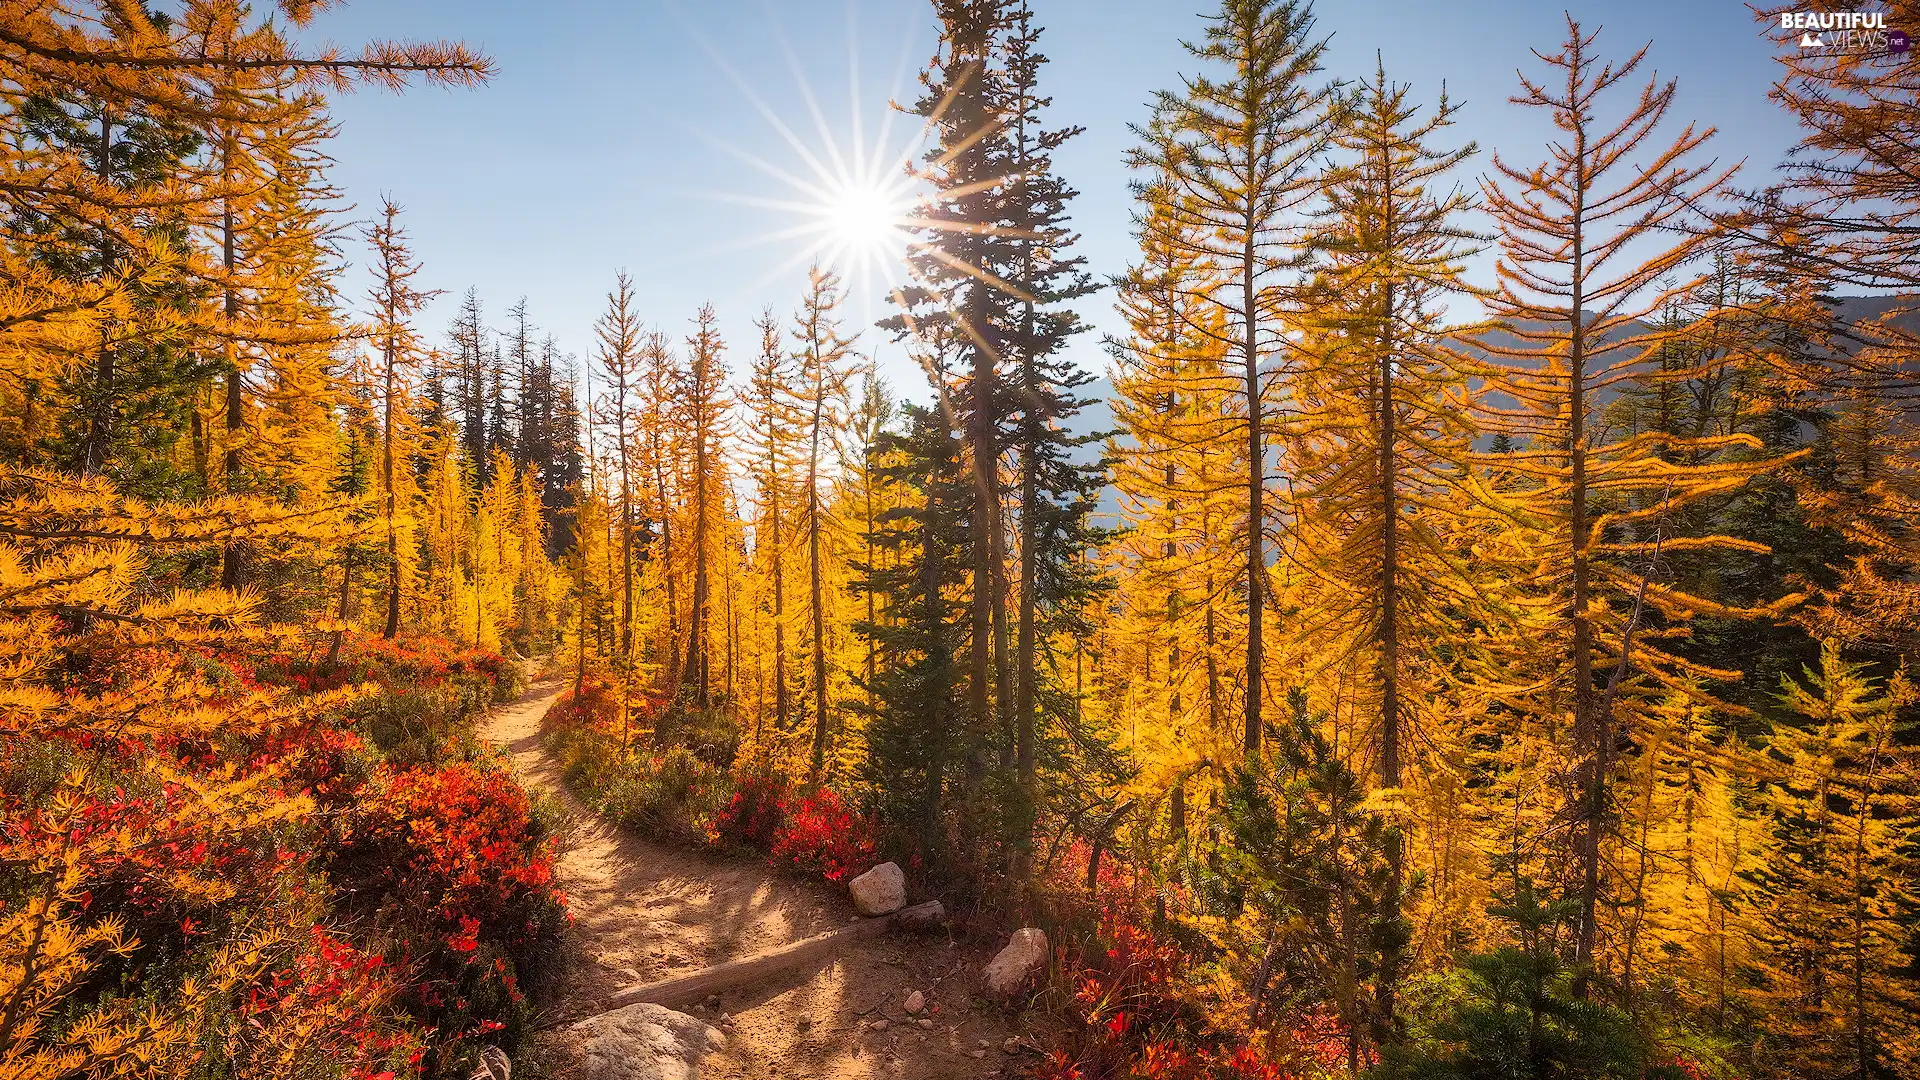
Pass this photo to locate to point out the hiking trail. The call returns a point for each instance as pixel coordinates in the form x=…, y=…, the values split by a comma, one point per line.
x=645, y=910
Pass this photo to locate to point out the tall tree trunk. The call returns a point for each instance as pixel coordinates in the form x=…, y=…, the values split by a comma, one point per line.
x=932, y=592
x=392, y=507
x=985, y=461
x=580, y=590
x=782, y=700
x=1388, y=646
x=1026, y=770
x=626, y=526
x=817, y=589
x=231, y=555
x=815, y=570
x=733, y=631
x=1216, y=708
x=666, y=566
x=100, y=409
x=873, y=659
x=1590, y=740
x=1256, y=490
x=697, y=660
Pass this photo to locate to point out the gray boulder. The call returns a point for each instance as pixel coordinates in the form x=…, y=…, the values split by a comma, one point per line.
x=644, y=1042
x=880, y=891
x=1024, y=958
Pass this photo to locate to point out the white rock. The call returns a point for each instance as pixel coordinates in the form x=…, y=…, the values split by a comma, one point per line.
x=880, y=891
x=1024, y=957
x=644, y=1042
x=881, y=1024
x=916, y=1003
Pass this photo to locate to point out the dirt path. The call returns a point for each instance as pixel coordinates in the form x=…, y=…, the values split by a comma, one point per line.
x=644, y=910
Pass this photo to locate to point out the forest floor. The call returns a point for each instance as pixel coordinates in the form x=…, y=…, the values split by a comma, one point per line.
x=644, y=910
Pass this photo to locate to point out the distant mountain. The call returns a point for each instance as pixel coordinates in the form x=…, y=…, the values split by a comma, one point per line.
x=1859, y=309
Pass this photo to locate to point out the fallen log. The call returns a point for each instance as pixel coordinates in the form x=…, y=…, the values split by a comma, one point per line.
x=683, y=990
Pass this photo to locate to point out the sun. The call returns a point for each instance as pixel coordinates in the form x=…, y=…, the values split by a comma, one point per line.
x=864, y=218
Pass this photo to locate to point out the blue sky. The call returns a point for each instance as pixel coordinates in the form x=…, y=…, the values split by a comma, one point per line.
x=621, y=135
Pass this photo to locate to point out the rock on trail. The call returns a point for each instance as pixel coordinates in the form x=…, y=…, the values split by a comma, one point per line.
x=880, y=891
x=643, y=1042
x=1018, y=964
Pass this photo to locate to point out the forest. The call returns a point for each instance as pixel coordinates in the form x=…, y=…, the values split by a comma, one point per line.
x=1374, y=669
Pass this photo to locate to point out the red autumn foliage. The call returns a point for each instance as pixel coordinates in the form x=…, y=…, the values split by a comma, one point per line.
x=821, y=833
x=167, y=888
x=318, y=760
x=1136, y=1014
x=459, y=841
x=755, y=813
x=443, y=865
x=449, y=861
x=368, y=658
x=332, y=998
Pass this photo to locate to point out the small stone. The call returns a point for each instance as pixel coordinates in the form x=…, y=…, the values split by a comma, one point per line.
x=1024, y=957
x=1012, y=1045
x=726, y=1019
x=977, y=1053
x=713, y=1001
x=880, y=891
x=803, y=1023
x=925, y=1023
x=881, y=1024
x=983, y=1044
x=916, y=1003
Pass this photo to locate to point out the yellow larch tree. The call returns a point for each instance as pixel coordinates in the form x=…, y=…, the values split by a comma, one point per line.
x=1180, y=616
x=1588, y=517
x=392, y=372
x=774, y=425
x=1237, y=151
x=822, y=361
x=1381, y=592
x=1836, y=890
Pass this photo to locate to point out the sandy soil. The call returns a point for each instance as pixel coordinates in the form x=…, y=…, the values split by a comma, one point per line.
x=643, y=911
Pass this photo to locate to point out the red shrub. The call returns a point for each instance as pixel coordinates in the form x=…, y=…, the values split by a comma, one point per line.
x=411, y=662
x=329, y=1005
x=1138, y=979
x=755, y=813
x=459, y=842
x=822, y=834
x=1140, y=1015
x=594, y=707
